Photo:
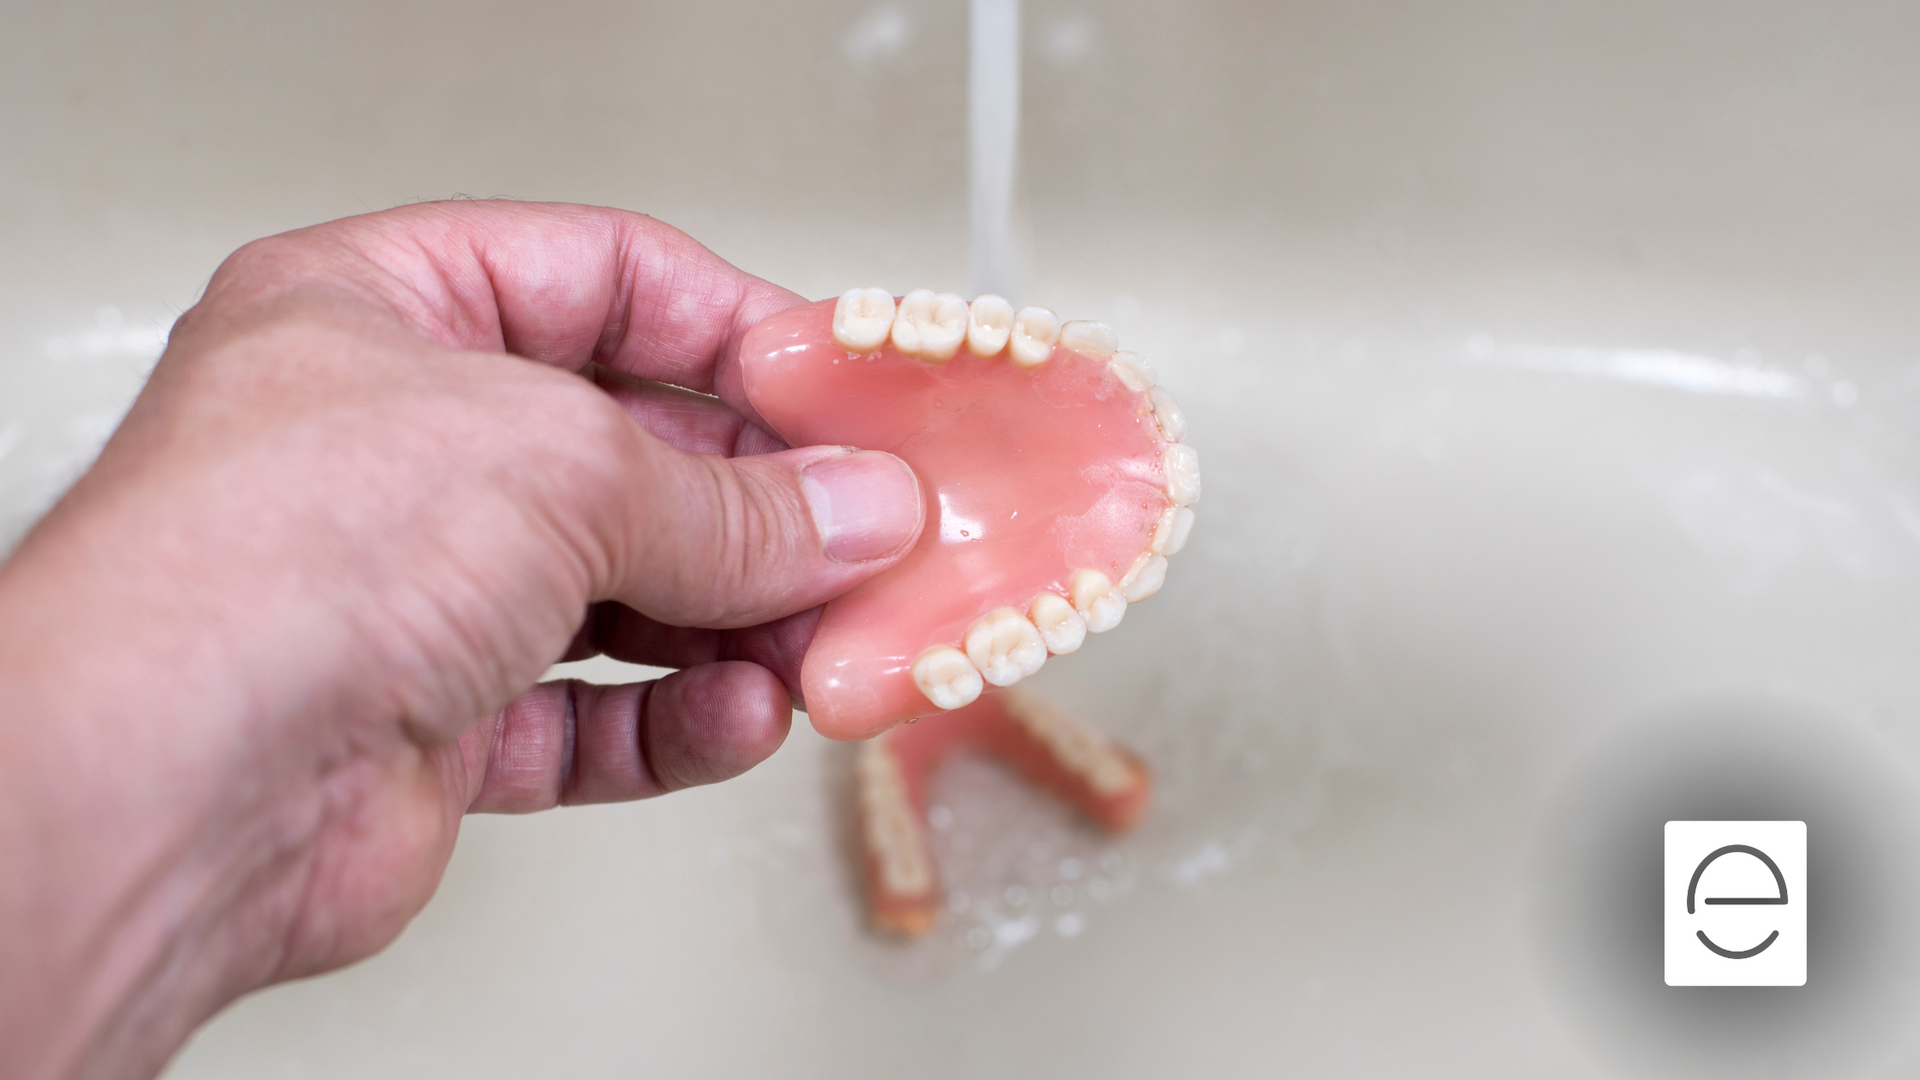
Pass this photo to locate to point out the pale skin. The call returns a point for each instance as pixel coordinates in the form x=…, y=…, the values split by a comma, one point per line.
x=259, y=662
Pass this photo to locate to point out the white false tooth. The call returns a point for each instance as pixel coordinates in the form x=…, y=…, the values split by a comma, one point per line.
x=989, y=323
x=1171, y=534
x=892, y=831
x=1097, y=601
x=1134, y=371
x=1035, y=329
x=1077, y=747
x=1183, y=474
x=1173, y=422
x=947, y=677
x=1095, y=339
x=1005, y=646
x=862, y=319
x=1060, y=626
x=930, y=325
x=1147, y=574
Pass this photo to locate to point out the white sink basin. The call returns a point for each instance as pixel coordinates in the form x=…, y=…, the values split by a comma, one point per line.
x=1557, y=379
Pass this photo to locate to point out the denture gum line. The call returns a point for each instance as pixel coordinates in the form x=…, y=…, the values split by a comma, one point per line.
x=1006, y=645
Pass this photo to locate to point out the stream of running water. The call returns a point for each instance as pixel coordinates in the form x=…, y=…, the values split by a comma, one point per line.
x=993, y=137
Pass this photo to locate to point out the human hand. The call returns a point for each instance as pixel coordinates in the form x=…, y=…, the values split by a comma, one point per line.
x=383, y=469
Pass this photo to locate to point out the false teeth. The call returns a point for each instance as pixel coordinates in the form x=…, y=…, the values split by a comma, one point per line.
x=945, y=675
x=1097, y=601
x=1078, y=748
x=1144, y=578
x=1005, y=646
x=1172, y=422
x=1095, y=339
x=892, y=831
x=862, y=319
x=989, y=323
x=1035, y=329
x=1170, y=535
x=930, y=325
x=1133, y=371
x=1060, y=626
x=1183, y=474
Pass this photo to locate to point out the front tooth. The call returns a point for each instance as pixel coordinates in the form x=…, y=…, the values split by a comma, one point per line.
x=1144, y=578
x=1183, y=475
x=862, y=319
x=1060, y=626
x=1171, y=534
x=930, y=325
x=947, y=677
x=1095, y=339
x=1005, y=646
x=1097, y=601
x=1133, y=370
x=1035, y=329
x=989, y=322
x=1173, y=422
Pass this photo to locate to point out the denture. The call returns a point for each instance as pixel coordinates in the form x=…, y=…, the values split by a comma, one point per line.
x=1054, y=474
x=1103, y=780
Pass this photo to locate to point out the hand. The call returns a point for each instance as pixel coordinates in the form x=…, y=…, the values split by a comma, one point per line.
x=383, y=470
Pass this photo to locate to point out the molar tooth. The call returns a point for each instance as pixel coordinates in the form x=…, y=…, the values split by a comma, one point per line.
x=989, y=322
x=1171, y=534
x=862, y=319
x=1173, y=422
x=1095, y=339
x=1005, y=646
x=1035, y=329
x=1097, y=601
x=1060, y=626
x=930, y=325
x=1183, y=474
x=946, y=676
x=1133, y=370
x=1144, y=578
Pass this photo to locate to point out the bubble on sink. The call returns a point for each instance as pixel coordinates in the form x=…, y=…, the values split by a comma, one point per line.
x=1211, y=859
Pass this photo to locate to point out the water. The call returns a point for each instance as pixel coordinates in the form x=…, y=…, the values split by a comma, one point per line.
x=993, y=137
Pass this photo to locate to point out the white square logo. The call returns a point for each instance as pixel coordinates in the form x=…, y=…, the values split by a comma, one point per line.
x=1736, y=903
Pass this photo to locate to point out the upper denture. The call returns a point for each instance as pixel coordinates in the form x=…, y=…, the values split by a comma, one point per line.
x=1055, y=487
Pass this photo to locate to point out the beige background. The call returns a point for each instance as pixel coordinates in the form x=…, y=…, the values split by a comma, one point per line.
x=1555, y=367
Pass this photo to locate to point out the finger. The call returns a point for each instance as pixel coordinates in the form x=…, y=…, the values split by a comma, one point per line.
x=571, y=742
x=564, y=285
x=701, y=540
x=617, y=631
x=696, y=423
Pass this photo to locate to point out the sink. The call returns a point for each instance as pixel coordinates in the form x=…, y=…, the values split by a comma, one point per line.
x=1556, y=372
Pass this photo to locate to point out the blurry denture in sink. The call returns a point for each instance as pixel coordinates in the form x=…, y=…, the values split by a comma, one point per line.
x=1055, y=479
x=1105, y=781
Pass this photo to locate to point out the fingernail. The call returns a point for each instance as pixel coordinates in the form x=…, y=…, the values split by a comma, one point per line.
x=865, y=505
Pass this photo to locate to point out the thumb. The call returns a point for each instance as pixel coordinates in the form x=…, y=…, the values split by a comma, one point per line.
x=726, y=542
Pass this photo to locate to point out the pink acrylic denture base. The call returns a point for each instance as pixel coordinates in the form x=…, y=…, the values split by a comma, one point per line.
x=1028, y=473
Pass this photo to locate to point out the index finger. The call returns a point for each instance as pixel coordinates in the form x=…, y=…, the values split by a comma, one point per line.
x=566, y=285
